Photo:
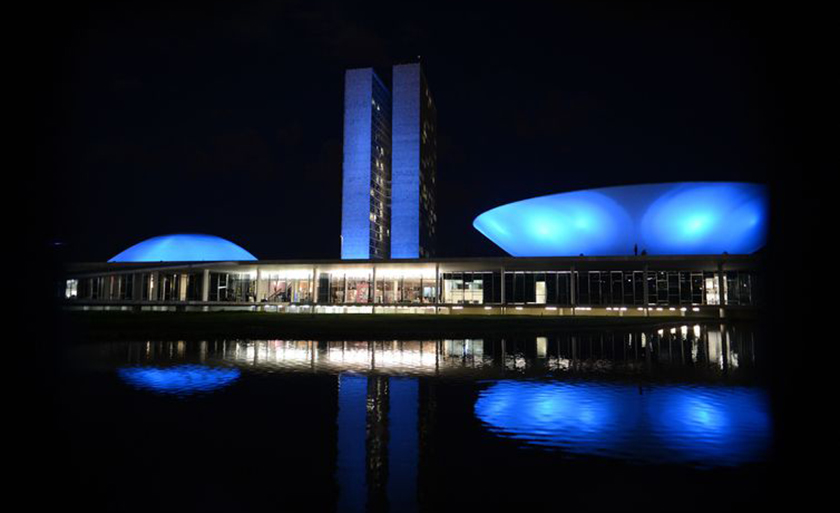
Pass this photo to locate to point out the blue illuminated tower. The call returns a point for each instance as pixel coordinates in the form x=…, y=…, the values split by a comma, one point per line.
x=414, y=165
x=366, y=180
x=388, y=199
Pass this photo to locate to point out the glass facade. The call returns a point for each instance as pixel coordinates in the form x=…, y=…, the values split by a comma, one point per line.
x=343, y=287
x=286, y=287
x=231, y=287
x=387, y=284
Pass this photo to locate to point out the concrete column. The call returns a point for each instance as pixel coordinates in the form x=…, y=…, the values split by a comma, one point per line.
x=503, y=285
x=258, y=286
x=373, y=287
x=182, y=287
x=573, y=289
x=314, y=287
x=205, y=285
x=438, y=286
x=721, y=296
x=645, y=297
x=153, y=295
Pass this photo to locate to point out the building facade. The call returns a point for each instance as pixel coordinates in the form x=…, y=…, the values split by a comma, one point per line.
x=413, y=211
x=648, y=285
x=389, y=166
x=366, y=167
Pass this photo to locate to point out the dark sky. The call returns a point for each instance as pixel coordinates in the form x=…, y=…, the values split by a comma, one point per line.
x=226, y=117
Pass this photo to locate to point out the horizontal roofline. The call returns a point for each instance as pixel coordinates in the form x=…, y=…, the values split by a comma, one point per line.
x=93, y=267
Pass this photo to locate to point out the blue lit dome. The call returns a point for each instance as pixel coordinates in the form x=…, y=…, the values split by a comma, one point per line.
x=183, y=247
x=663, y=219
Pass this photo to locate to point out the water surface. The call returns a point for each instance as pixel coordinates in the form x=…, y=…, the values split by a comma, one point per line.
x=590, y=420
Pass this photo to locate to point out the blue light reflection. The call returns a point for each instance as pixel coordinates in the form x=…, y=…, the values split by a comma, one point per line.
x=190, y=247
x=699, y=425
x=181, y=380
x=666, y=219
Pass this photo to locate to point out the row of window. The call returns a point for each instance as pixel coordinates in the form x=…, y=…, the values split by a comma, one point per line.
x=554, y=288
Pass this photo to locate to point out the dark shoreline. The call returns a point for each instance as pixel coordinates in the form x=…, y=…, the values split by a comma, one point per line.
x=124, y=326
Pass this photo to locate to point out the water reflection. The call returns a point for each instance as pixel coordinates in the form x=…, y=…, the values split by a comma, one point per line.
x=701, y=425
x=181, y=380
x=690, y=351
x=392, y=420
x=378, y=448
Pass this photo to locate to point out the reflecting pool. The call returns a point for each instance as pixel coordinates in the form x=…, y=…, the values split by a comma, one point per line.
x=421, y=425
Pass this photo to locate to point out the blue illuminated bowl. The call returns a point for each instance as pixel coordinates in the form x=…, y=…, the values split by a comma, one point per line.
x=663, y=219
x=184, y=247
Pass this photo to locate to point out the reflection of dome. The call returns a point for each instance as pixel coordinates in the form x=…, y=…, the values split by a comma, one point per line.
x=702, y=425
x=665, y=219
x=179, y=380
x=183, y=247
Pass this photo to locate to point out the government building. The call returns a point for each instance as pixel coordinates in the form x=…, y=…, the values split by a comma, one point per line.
x=683, y=248
x=389, y=166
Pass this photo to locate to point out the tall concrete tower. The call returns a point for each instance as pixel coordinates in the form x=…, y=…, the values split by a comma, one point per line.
x=414, y=165
x=366, y=168
x=388, y=197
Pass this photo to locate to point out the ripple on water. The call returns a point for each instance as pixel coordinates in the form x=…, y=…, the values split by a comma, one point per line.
x=699, y=425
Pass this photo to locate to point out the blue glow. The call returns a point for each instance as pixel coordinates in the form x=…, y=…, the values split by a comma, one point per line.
x=700, y=425
x=405, y=173
x=352, y=436
x=403, y=442
x=665, y=219
x=707, y=424
x=186, y=247
x=181, y=380
x=356, y=165
x=706, y=218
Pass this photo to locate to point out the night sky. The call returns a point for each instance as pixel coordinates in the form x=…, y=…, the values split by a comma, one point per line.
x=226, y=117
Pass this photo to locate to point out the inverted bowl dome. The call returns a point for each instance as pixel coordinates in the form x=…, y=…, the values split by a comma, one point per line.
x=184, y=247
x=665, y=219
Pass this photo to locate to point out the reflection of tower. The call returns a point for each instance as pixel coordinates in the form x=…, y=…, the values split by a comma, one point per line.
x=403, y=444
x=377, y=443
x=376, y=462
x=426, y=423
x=350, y=472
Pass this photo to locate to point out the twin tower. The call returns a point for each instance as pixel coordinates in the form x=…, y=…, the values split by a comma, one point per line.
x=389, y=167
